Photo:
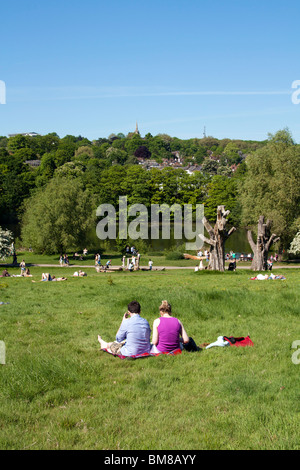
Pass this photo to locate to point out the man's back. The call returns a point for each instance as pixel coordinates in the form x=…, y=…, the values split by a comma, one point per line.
x=136, y=330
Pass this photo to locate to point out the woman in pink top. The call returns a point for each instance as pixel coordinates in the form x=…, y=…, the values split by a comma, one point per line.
x=168, y=331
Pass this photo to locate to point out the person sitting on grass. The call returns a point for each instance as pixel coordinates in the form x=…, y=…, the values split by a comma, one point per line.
x=133, y=336
x=169, y=333
x=27, y=273
x=5, y=273
x=131, y=266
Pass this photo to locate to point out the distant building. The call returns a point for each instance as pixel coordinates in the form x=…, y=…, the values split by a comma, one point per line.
x=152, y=164
x=29, y=134
x=191, y=169
x=33, y=163
x=177, y=157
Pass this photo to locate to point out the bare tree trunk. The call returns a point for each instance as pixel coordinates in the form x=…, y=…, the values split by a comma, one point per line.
x=263, y=244
x=218, y=236
x=137, y=263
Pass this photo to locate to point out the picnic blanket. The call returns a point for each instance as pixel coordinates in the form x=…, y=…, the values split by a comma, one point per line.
x=223, y=341
x=144, y=355
x=240, y=341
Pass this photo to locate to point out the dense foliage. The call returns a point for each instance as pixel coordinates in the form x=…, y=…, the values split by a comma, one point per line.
x=242, y=175
x=272, y=188
x=6, y=238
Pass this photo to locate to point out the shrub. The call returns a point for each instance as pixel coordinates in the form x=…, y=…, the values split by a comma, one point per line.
x=174, y=255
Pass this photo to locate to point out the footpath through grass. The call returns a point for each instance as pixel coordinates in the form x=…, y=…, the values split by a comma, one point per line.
x=58, y=391
x=159, y=260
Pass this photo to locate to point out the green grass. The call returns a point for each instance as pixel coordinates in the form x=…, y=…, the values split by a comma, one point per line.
x=58, y=391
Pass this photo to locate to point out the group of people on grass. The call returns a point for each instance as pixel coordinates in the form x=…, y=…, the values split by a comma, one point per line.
x=206, y=253
x=98, y=265
x=133, y=336
x=132, y=263
x=64, y=260
x=47, y=276
x=25, y=272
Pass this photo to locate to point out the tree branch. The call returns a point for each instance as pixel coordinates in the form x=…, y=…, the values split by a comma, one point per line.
x=272, y=240
x=250, y=240
x=233, y=229
x=208, y=226
x=206, y=240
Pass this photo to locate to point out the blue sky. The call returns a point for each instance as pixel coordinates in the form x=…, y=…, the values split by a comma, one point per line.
x=94, y=68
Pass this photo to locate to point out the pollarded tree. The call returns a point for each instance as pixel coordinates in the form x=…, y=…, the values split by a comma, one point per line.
x=217, y=238
x=263, y=244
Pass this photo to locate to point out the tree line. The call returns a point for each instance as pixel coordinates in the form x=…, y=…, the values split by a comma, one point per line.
x=76, y=175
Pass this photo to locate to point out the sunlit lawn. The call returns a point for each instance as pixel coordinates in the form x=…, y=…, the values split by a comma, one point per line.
x=58, y=391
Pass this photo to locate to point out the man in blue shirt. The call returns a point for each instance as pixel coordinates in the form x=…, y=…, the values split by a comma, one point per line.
x=133, y=336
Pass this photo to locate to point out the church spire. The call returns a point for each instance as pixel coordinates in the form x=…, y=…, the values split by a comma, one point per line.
x=137, y=129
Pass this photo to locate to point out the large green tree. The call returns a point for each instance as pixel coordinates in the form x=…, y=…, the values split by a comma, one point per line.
x=58, y=217
x=271, y=186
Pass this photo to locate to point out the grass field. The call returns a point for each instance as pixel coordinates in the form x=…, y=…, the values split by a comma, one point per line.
x=58, y=391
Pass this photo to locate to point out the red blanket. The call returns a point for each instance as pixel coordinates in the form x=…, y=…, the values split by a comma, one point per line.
x=144, y=355
x=241, y=341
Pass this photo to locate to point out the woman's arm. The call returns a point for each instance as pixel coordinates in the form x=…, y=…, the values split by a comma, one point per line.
x=155, y=332
x=184, y=334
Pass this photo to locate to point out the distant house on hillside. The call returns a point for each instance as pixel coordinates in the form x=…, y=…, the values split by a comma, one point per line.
x=29, y=134
x=33, y=163
x=152, y=164
x=177, y=157
x=191, y=169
